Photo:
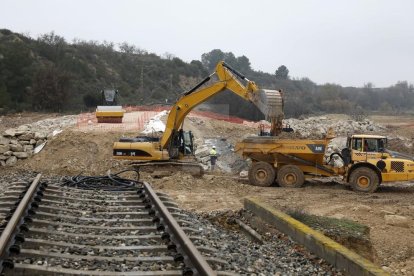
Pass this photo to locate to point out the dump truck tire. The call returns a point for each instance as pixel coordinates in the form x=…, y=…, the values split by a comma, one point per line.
x=364, y=179
x=290, y=176
x=262, y=174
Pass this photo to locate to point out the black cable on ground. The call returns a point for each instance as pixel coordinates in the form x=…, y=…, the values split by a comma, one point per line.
x=110, y=182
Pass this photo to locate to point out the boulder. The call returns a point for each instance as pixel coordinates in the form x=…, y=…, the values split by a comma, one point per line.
x=387, y=269
x=396, y=220
x=39, y=142
x=24, y=142
x=3, y=157
x=362, y=207
x=2, y=163
x=11, y=161
x=24, y=127
x=386, y=212
x=8, y=153
x=202, y=151
x=205, y=160
x=32, y=142
x=14, y=142
x=4, y=148
x=26, y=136
x=28, y=148
x=22, y=130
x=244, y=173
x=337, y=162
x=4, y=140
x=9, y=132
x=40, y=135
x=21, y=155
x=16, y=148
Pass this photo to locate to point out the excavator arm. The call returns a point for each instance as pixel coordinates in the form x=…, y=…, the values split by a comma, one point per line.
x=270, y=102
x=175, y=143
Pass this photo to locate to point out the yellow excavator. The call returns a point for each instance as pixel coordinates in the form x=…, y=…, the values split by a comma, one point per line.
x=175, y=147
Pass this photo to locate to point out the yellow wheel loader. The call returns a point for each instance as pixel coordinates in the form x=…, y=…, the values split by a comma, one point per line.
x=109, y=111
x=366, y=161
x=175, y=147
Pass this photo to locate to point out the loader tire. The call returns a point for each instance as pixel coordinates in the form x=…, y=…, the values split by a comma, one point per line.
x=364, y=179
x=262, y=174
x=290, y=176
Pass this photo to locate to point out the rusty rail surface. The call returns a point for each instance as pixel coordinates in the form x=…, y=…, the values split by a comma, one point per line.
x=10, y=231
x=197, y=260
x=153, y=217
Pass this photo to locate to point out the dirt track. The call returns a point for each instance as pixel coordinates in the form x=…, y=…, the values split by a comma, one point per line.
x=89, y=152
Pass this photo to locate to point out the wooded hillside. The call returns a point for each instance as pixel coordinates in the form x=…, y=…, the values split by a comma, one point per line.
x=51, y=74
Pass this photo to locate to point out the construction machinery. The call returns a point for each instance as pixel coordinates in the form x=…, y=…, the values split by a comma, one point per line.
x=109, y=111
x=175, y=147
x=366, y=163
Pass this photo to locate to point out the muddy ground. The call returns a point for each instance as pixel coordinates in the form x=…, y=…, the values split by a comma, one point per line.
x=89, y=152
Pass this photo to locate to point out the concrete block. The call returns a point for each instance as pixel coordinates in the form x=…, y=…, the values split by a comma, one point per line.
x=319, y=244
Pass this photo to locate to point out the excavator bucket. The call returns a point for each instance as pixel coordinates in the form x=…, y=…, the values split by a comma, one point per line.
x=270, y=103
x=109, y=114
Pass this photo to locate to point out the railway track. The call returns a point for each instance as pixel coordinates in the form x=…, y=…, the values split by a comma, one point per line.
x=124, y=228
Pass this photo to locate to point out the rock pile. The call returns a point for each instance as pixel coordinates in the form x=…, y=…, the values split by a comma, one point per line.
x=317, y=127
x=19, y=143
x=335, y=145
x=228, y=161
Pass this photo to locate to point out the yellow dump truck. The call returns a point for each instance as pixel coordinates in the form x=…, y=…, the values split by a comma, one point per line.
x=366, y=161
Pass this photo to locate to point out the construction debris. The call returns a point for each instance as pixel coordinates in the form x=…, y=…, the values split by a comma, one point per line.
x=21, y=142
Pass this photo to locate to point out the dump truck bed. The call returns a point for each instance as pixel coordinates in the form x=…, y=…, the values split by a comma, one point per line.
x=309, y=154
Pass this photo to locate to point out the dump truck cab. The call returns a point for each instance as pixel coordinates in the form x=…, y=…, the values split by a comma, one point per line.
x=366, y=146
x=368, y=163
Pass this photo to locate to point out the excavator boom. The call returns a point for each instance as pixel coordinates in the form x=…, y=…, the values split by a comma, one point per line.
x=176, y=144
x=269, y=102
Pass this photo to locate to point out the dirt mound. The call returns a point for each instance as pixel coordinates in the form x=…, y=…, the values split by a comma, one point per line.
x=75, y=152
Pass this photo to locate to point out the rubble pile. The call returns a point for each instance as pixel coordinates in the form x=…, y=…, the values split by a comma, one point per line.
x=317, y=127
x=23, y=141
x=227, y=160
x=155, y=124
x=335, y=145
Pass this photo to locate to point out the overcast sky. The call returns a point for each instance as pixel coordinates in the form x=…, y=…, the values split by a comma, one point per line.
x=349, y=42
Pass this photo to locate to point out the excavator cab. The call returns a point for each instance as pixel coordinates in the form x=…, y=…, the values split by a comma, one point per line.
x=181, y=144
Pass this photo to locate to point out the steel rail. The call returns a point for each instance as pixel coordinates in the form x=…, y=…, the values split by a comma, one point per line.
x=10, y=230
x=197, y=260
